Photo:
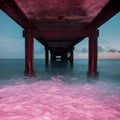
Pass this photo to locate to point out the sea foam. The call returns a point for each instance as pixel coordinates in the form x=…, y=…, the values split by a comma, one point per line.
x=55, y=99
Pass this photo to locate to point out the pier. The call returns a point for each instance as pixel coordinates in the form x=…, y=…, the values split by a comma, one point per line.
x=59, y=25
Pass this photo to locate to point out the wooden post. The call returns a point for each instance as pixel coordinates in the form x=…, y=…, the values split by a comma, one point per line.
x=52, y=57
x=71, y=57
x=46, y=56
x=93, y=53
x=66, y=58
x=29, y=46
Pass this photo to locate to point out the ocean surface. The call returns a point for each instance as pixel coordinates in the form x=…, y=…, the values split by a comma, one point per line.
x=59, y=92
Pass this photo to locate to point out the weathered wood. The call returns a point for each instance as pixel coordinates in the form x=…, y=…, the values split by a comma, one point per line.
x=111, y=9
x=93, y=54
x=60, y=33
x=12, y=10
x=29, y=47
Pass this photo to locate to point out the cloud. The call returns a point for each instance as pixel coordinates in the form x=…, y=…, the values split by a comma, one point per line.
x=77, y=51
x=112, y=50
x=108, y=49
x=101, y=49
x=84, y=50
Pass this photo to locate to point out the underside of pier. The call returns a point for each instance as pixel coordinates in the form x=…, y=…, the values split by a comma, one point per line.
x=59, y=25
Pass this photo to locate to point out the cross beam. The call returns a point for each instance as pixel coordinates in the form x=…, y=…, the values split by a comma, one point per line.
x=111, y=9
x=62, y=34
x=12, y=10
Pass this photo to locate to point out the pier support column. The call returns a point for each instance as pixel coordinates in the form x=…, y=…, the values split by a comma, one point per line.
x=71, y=57
x=93, y=53
x=29, y=46
x=51, y=57
x=66, y=58
x=46, y=57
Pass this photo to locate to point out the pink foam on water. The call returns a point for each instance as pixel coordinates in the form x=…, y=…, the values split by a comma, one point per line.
x=55, y=100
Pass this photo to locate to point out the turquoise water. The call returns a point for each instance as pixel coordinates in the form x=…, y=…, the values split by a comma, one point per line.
x=59, y=92
x=108, y=69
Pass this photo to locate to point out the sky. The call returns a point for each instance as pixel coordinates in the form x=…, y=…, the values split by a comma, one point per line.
x=12, y=42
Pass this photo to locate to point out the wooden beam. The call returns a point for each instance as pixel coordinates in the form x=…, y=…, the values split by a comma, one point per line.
x=46, y=56
x=91, y=30
x=42, y=41
x=65, y=49
x=13, y=11
x=59, y=40
x=62, y=34
x=76, y=41
x=111, y=9
x=93, y=54
x=29, y=51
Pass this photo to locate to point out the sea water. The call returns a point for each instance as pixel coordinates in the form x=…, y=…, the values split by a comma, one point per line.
x=59, y=92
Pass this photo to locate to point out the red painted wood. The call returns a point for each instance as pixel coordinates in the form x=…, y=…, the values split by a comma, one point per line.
x=29, y=46
x=75, y=22
x=111, y=9
x=62, y=34
x=12, y=10
x=93, y=53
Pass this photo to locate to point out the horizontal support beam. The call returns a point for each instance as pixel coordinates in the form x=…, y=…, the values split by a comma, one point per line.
x=66, y=49
x=111, y=9
x=59, y=43
x=92, y=30
x=13, y=11
x=42, y=41
x=59, y=40
x=62, y=34
x=76, y=41
x=58, y=46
